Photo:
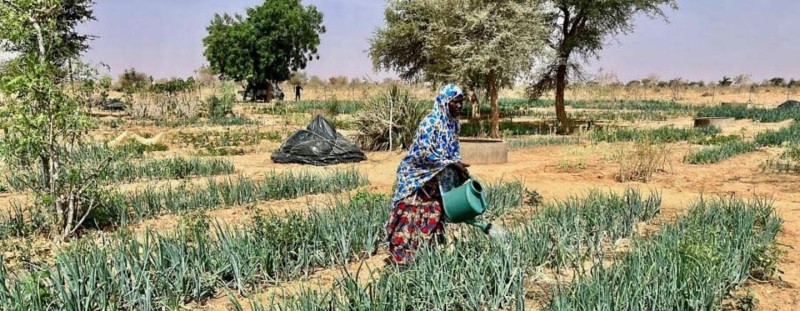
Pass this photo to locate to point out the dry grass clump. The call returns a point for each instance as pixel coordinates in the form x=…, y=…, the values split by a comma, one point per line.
x=641, y=160
x=392, y=112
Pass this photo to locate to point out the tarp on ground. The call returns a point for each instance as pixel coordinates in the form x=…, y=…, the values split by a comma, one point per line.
x=319, y=144
x=790, y=104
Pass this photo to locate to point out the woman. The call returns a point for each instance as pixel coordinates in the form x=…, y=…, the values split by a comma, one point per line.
x=432, y=165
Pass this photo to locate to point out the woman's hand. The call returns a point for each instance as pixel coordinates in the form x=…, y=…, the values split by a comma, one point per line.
x=462, y=169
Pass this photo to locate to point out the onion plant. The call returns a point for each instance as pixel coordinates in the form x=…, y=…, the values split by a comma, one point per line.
x=756, y=114
x=665, y=134
x=775, y=138
x=689, y=265
x=169, y=168
x=193, y=264
x=231, y=191
x=538, y=141
x=718, y=153
x=478, y=273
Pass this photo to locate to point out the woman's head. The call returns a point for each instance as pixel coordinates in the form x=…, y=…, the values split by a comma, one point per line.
x=450, y=99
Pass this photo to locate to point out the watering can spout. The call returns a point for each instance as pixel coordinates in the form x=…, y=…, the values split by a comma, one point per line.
x=480, y=224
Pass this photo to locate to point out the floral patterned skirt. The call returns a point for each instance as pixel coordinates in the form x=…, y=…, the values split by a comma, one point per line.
x=417, y=219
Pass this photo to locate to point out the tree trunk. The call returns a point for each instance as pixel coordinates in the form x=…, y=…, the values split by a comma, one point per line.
x=561, y=84
x=495, y=109
x=269, y=92
x=476, y=108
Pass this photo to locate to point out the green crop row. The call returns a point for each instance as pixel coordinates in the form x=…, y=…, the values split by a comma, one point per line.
x=196, y=262
x=756, y=114
x=531, y=142
x=153, y=201
x=665, y=134
x=479, y=273
x=169, y=168
x=185, y=122
x=718, y=153
x=776, y=138
x=121, y=209
x=222, y=139
x=690, y=265
x=484, y=128
x=92, y=155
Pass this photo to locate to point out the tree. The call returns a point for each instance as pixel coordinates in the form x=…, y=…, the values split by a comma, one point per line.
x=726, y=81
x=487, y=44
x=298, y=78
x=131, y=81
x=777, y=81
x=742, y=80
x=579, y=28
x=205, y=77
x=44, y=118
x=265, y=47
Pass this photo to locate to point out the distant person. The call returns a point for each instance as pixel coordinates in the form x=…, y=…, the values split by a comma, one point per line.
x=297, y=89
x=432, y=166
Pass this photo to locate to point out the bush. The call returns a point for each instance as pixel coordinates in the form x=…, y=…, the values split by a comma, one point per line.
x=373, y=125
x=640, y=161
x=220, y=106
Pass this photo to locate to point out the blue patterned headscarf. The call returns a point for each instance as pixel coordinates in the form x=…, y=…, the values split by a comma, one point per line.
x=435, y=146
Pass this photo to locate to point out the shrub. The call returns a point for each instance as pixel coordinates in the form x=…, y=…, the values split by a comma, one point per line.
x=220, y=106
x=641, y=160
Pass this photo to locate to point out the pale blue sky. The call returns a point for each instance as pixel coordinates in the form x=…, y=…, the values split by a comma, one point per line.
x=704, y=39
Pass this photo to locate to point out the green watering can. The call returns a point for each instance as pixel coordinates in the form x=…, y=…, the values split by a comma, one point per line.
x=464, y=203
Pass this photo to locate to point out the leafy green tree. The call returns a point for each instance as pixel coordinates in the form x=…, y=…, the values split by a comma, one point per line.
x=43, y=117
x=131, y=81
x=272, y=41
x=580, y=28
x=478, y=43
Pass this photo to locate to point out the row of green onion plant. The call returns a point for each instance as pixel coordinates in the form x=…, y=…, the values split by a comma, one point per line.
x=721, y=152
x=92, y=155
x=479, y=273
x=665, y=134
x=725, y=147
x=689, y=265
x=786, y=135
x=540, y=141
x=231, y=191
x=152, y=201
x=167, y=168
x=756, y=114
x=200, y=261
